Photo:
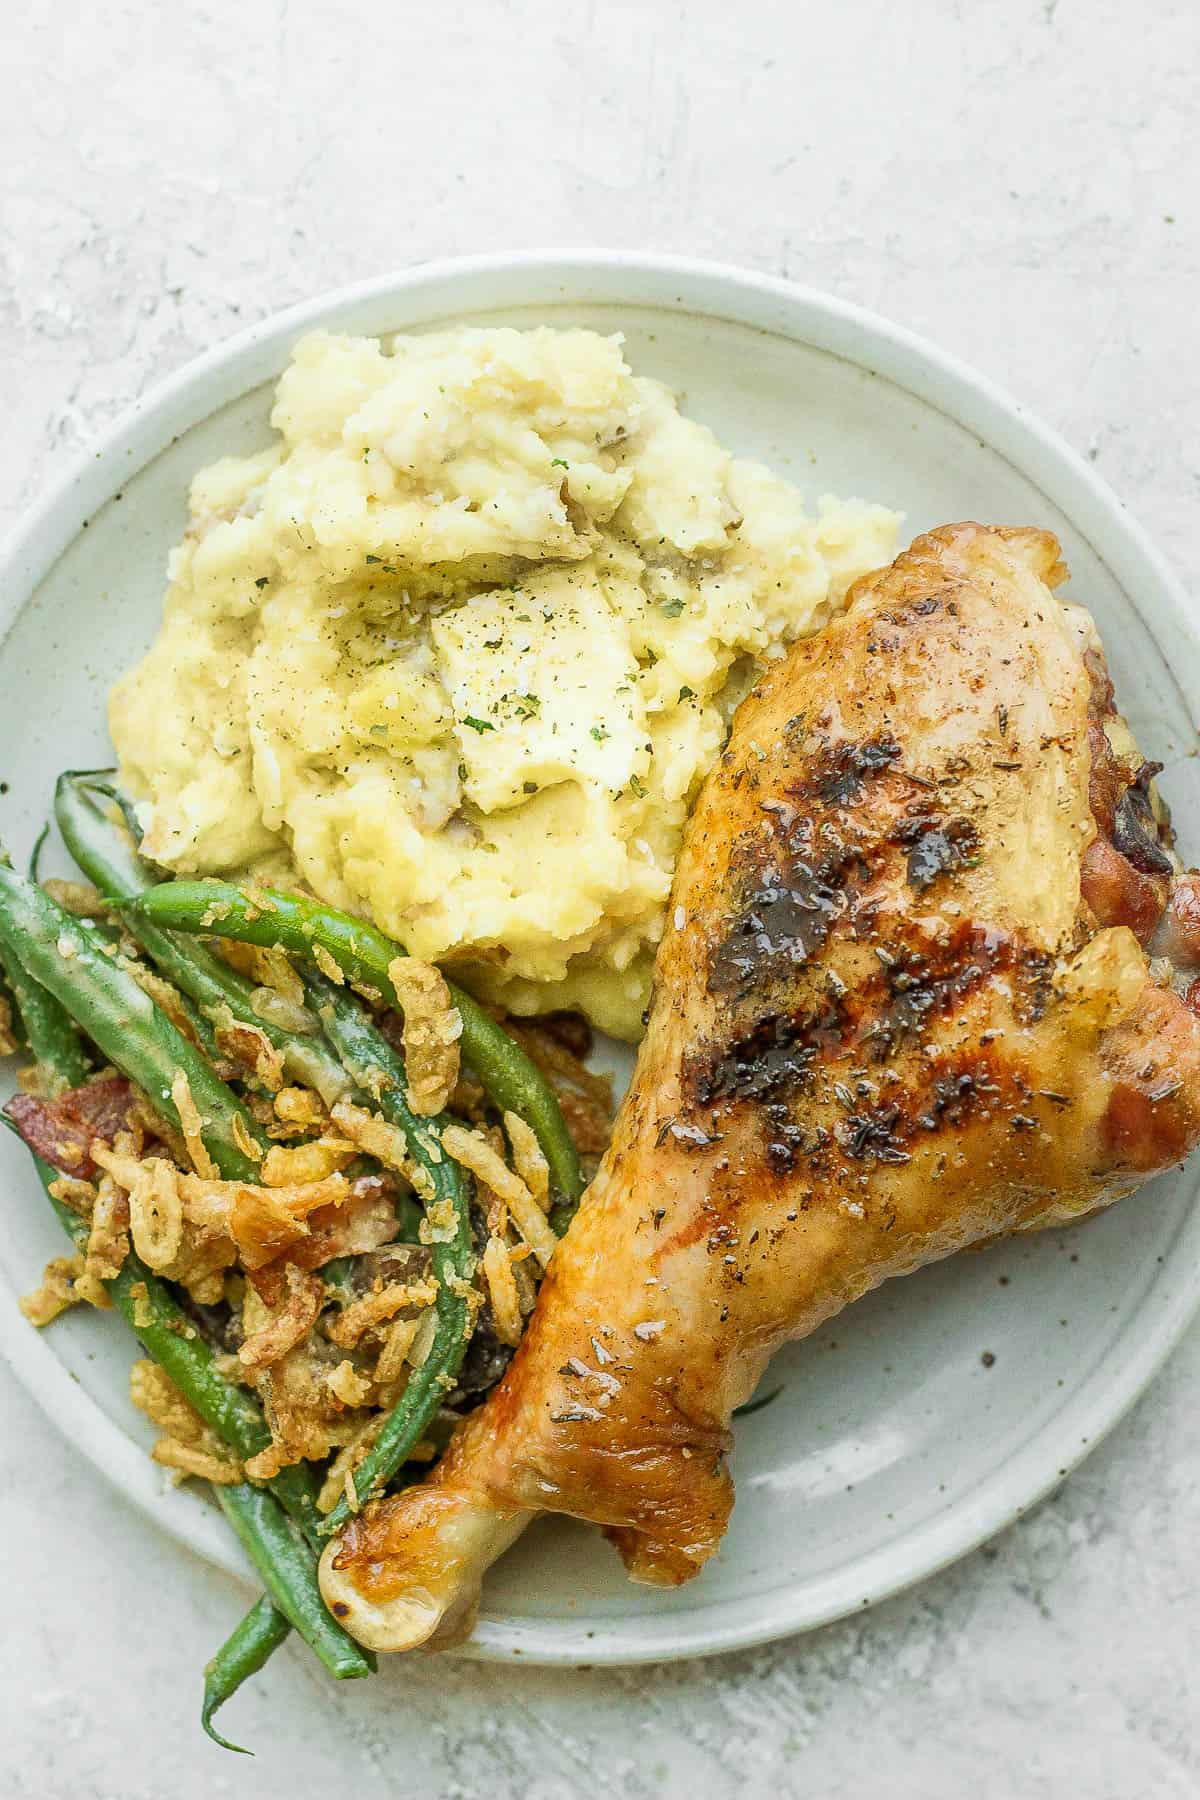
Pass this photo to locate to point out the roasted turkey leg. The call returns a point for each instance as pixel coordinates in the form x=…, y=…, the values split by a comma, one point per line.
x=921, y=985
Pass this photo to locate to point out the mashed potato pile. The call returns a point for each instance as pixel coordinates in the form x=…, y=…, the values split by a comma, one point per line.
x=460, y=647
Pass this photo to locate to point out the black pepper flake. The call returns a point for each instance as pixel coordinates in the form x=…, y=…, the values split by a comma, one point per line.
x=870, y=1136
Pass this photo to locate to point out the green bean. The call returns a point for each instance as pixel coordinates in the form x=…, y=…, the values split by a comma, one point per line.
x=284, y=1561
x=116, y=940
x=281, y=1548
x=364, y=954
x=147, y=1305
x=145, y=1301
x=103, y=850
x=63, y=955
x=375, y=1069
x=149, y=1308
x=374, y=1066
x=241, y=1655
x=52, y=1036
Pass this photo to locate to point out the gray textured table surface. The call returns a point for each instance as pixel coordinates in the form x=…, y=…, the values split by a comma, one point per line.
x=1019, y=181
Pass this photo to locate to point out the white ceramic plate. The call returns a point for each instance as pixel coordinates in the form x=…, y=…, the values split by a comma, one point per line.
x=891, y=1448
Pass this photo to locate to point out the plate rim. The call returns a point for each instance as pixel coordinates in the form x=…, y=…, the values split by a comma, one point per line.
x=805, y=315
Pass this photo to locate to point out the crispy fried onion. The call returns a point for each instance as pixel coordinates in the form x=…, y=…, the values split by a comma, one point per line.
x=299, y=1106
x=386, y=1143
x=365, y=1222
x=267, y=966
x=472, y=1150
x=222, y=1220
x=392, y=1365
x=264, y=1222
x=384, y=1301
x=287, y=1326
x=249, y=1046
x=79, y=898
x=156, y=1214
x=502, y=1290
x=432, y=1029
x=56, y=1293
x=347, y=1385
x=108, y=1241
x=80, y=1196
x=306, y=1418
x=167, y=998
x=314, y=1161
x=10, y=1043
x=339, y=1479
x=528, y=1159
x=192, y=1127
x=187, y=1445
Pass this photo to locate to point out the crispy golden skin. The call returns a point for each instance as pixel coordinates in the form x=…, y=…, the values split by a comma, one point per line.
x=902, y=1007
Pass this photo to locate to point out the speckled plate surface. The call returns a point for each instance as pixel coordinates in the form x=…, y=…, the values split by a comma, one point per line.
x=937, y=1410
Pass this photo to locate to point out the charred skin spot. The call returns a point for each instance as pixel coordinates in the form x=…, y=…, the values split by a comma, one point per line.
x=804, y=1052
x=784, y=920
x=923, y=980
x=768, y=1059
x=937, y=846
x=802, y=876
x=954, y=1097
x=841, y=771
x=775, y=1060
x=798, y=881
x=768, y=1063
x=956, y=1092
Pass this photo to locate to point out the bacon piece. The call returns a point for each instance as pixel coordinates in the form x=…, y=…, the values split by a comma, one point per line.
x=63, y=1131
x=1178, y=935
x=1119, y=894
